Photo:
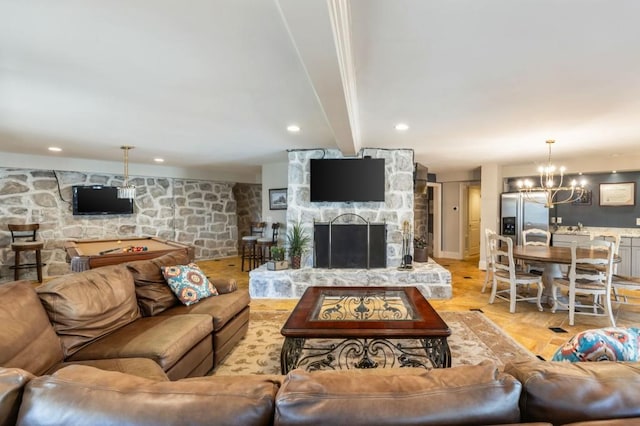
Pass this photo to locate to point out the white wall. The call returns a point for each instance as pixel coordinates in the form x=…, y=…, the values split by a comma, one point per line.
x=451, y=216
x=274, y=176
x=490, y=210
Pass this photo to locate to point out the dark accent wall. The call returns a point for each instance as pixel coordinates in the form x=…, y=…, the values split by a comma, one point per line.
x=594, y=214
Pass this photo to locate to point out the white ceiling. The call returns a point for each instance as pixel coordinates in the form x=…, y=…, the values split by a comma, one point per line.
x=212, y=85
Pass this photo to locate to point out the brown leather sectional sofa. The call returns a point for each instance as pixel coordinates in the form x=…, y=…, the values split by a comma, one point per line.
x=111, y=346
x=122, y=318
x=531, y=391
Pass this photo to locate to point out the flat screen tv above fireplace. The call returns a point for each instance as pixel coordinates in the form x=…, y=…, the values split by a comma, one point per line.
x=347, y=180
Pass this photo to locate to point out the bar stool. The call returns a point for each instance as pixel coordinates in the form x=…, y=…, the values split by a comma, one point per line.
x=263, y=245
x=249, y=252
x=27, y=235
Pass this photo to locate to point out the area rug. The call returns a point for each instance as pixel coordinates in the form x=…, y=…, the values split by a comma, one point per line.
x=474, y=338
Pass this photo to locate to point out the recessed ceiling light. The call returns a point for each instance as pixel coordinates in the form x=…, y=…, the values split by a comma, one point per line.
x=401, y=127
x=54, y=149
x=614, y=171
x=159, y=160
x=293, y=128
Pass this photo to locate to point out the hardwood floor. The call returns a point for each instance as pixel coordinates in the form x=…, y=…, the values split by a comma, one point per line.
x=528, y=326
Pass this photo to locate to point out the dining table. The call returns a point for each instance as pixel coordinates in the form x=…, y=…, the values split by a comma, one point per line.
x=552, y=258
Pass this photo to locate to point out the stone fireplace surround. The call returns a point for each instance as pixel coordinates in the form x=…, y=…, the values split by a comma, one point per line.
x=433, y=280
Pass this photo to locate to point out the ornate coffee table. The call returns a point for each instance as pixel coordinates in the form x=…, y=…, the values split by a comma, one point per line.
x=368, y=327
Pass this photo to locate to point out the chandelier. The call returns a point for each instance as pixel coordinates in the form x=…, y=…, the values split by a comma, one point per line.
x=554, y=194
x=126, y=190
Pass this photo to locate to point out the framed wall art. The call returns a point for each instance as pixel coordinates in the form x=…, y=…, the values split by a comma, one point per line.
x=584, y=200
x=278, y=199
x=618, y=194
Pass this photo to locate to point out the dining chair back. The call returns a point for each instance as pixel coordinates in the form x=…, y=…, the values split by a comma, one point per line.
x=505, y=271
x=487, y=257
x=613, y=238
x=535, y=237
x=590, y=276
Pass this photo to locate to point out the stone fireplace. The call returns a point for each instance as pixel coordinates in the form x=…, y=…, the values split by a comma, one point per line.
x=385, y=221
x=396, y=209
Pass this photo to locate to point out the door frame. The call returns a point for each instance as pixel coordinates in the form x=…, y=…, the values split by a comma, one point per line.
x=437, y=218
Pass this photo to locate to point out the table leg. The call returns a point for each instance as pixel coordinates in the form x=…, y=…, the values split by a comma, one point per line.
x=438, y=351
x=290, y=354
x=550, y=272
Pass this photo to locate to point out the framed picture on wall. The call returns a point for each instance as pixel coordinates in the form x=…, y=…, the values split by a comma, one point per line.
x=584, y=200
x=618, y=194
x=278, y=199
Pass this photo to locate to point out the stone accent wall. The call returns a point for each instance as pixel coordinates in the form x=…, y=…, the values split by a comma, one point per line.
x=249, y=200
x=396, y=209
x=200, y=213
x=420, y=214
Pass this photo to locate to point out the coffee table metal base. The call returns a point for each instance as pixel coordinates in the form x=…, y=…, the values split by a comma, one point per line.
x=364, y=353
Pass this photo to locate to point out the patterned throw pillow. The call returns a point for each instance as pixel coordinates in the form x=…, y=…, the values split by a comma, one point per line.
x=604, y=344
x=188, y=283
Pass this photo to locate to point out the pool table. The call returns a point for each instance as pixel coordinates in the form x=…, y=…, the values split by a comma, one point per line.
x=89, y=254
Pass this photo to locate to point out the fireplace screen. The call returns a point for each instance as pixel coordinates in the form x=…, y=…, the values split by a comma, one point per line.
x=350, y=245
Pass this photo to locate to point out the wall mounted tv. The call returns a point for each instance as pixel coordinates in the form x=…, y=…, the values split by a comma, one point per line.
x=347, y=180
x=99, y=200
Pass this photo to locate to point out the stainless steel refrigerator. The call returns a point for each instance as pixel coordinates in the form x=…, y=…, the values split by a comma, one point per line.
x=519, y=212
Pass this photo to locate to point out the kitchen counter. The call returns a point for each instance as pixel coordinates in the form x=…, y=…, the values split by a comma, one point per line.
x=588, y=230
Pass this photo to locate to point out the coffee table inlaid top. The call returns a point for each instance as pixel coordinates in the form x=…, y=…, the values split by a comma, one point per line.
x=556, y=254
x=390, y=312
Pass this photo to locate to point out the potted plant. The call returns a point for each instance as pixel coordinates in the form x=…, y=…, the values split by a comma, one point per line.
x=420, y=250
x=297, y=241
x=277, y=261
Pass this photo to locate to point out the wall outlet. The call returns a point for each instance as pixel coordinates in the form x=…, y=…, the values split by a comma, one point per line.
x=638, y=221
x=553, y=220
x=558, y=220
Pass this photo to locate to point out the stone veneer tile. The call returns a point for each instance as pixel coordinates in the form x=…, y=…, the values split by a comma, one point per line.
x=432, y=280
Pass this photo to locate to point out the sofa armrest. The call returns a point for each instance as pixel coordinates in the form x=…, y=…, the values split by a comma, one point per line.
x=224, y=285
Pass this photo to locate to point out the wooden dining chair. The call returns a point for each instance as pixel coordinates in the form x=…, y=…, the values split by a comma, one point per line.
x=487, y=256
x=589, y=276
x=535, y=237
x=502, y=248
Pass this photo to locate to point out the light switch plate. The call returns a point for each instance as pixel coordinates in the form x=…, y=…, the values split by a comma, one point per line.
x=558, y=220
x=638, y=221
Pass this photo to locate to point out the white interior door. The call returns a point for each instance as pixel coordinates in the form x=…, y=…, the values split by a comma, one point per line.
x=473, y=221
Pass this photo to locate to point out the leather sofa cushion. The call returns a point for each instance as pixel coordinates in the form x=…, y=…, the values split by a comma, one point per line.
x=12, y=382
x=477, y=394
x=221, y=308
x=154, y=295
x=85, y=395
x=88, y=305
x=163, y=339
x=27, y=339
x=142, y=367
x=561, y=392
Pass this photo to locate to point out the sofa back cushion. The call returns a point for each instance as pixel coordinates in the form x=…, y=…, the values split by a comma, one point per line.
x=154, y=295
x=88, y=305
x=12, y=383
x=86, y=396
x=563, y=392
x=465, y=395
x=27, y=339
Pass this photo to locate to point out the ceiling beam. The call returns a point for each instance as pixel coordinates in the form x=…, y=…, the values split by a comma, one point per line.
x=320, y=31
